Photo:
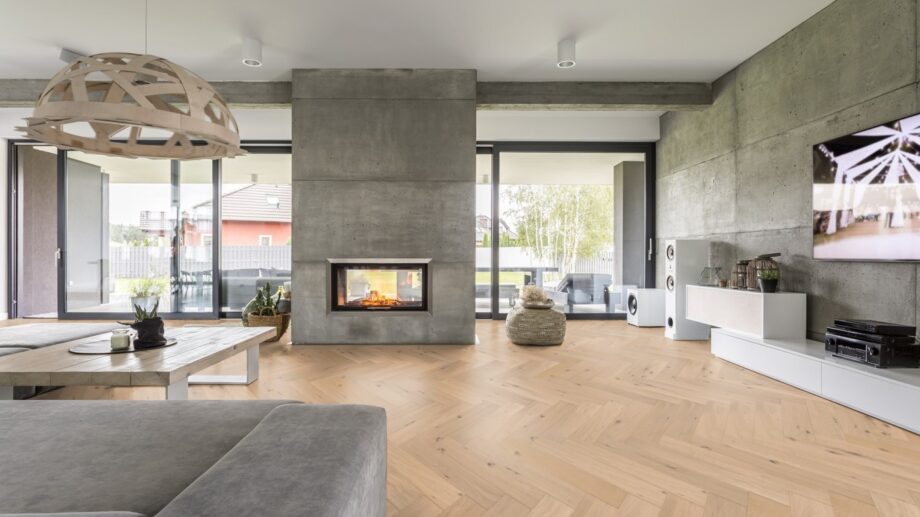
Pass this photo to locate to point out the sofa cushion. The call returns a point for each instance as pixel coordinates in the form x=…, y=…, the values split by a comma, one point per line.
x=75, y=514
x=91, y=456
x=300, y=460
x=37, y=335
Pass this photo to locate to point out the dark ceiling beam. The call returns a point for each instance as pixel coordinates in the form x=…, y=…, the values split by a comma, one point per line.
x=490, y=95
x=20, y=92
x=593, y=96
x=267, y=94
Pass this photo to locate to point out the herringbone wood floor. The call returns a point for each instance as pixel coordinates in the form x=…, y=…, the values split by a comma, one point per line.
x=617, y=421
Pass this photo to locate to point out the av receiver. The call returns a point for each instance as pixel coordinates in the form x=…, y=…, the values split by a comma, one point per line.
x=876, y=327
x=879, y=355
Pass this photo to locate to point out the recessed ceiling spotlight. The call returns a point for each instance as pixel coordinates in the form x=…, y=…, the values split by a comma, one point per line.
x=252, y=52
x=565, y=53
x=69, y=56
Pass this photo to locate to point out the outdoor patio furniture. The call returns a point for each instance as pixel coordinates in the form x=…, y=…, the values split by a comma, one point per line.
x=584, y=289
x=240, y=285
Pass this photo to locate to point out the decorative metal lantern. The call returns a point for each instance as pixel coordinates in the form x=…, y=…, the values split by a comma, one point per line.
x=739, y=275
x=761, y=263
x=119, y=95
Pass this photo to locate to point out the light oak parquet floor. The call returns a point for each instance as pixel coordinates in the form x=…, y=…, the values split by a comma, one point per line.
x=617, y=421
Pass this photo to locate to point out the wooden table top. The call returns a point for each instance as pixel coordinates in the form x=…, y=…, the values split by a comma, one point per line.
x=197, y=349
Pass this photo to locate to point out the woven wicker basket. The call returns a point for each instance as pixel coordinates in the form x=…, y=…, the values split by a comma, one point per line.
x=529, y=325
x=279, y=321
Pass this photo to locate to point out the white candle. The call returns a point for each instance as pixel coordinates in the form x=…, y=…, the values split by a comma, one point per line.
x=121, y=340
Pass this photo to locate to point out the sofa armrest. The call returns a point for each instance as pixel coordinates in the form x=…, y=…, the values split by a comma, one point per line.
x=74, y=514
x=300, y=460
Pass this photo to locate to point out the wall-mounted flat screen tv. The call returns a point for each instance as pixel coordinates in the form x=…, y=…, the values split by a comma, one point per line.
x=866, y=195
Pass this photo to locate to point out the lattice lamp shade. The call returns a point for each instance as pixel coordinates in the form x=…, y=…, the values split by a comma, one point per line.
x=120, y=96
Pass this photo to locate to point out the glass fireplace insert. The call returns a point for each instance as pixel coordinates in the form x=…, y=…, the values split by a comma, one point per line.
x=371, y=286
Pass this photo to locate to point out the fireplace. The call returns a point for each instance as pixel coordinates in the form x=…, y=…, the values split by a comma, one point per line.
x=369, y=285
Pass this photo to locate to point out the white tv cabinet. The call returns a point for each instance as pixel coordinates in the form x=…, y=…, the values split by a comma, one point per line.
x=765, y=315
x=892, y=395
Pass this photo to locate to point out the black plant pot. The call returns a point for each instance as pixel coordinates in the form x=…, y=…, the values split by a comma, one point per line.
x=284, y=306
x=150, y=333
x=767, y=286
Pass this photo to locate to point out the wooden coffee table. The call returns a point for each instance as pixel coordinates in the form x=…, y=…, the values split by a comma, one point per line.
x=171, y=367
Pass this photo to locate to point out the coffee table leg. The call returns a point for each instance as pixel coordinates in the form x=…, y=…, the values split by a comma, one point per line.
x=252, y=372
x=6, y=393
x=252, y=365
x=177, y=390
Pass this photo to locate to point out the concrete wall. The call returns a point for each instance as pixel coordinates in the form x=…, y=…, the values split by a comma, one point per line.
x=740, y=172
x=384, y=167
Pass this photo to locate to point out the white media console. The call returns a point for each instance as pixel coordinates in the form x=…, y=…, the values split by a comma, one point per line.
x=766, y=315
x=892, y=395
x=766, y=333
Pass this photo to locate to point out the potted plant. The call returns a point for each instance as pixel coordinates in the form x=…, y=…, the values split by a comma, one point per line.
x=768, y=279
x=149, y=327
x=284, y=304
x=262, y=311
x=145, y=293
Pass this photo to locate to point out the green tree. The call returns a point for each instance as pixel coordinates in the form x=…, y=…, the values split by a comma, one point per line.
x=126, y=233
x=561, y=223
x=486, y=241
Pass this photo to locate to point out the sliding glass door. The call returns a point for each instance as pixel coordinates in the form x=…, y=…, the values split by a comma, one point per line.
x=133, y=235
x=91, y=236
x=574, y=219
x=256, y=225
x=484, y=201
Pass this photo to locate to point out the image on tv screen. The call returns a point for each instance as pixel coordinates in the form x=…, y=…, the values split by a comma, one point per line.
x=866, y=196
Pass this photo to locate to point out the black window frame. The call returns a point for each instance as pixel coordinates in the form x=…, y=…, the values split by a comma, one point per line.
x=496, y=148
x=13, y=237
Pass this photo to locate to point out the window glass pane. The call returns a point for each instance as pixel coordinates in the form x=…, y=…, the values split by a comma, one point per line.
x=120, y=224
x=483, y=233
x=194, y=292
x=256, y=226
x=561, y=229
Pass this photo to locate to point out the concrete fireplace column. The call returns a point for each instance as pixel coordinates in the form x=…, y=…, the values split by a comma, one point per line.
x=384, y=168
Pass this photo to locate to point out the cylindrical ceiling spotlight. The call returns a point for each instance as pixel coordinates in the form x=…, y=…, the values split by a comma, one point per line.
x=565, y=53
x=252, y=52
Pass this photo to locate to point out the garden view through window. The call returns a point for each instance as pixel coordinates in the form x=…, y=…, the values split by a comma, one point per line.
x=142, y=232
x=571, y=223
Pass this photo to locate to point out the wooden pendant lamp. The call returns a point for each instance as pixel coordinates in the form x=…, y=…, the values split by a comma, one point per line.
x=119, y=96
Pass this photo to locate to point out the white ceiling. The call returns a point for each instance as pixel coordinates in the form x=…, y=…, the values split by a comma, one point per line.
x=558, y=168
x=618, y=40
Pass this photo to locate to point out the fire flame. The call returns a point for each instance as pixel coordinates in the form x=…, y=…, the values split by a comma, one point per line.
x=375, y=299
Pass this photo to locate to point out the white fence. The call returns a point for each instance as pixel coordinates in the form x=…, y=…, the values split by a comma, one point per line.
x=143, y=262
x=600, y=263
x=515, y=257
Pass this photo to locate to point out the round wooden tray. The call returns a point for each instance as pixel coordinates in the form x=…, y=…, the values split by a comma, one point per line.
x=105, y=347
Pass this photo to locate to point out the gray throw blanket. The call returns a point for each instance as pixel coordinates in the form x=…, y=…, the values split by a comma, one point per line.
x=38, y=335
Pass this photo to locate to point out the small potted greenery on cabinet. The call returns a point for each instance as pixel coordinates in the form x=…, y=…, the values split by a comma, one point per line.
x=768, y=279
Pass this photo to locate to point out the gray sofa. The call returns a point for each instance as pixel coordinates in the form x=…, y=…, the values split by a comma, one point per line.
x=182, y=458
